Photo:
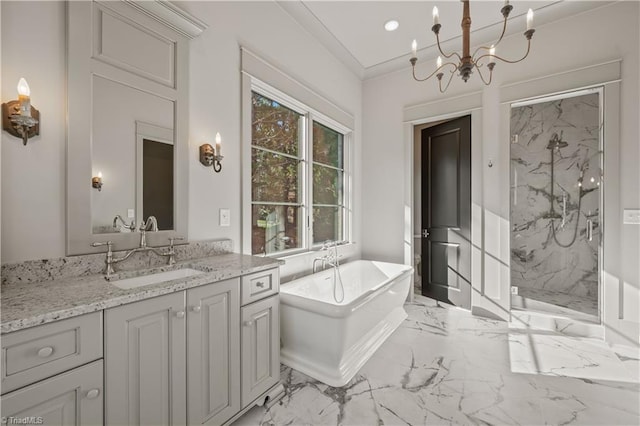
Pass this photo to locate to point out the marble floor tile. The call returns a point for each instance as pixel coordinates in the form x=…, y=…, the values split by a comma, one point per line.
x=539, y=352
x=445, y=366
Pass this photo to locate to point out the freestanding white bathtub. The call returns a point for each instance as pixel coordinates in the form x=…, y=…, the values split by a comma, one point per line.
x=331, y=341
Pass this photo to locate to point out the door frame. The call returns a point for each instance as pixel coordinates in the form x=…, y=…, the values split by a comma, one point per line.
x=416, y=117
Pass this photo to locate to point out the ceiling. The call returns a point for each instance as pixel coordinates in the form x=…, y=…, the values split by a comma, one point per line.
x=354, y=30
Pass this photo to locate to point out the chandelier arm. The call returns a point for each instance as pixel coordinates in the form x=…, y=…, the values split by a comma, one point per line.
x=504, y=29
x=455, y=67
x=507, y=60
x=442, y=52
x=486, y=83
x=448, y=83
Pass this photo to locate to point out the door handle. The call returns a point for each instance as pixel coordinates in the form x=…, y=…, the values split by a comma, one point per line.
x=425, y=233
x=450, y=244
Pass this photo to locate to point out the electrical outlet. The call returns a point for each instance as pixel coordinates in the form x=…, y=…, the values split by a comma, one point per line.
x=225, y=217
x=514, y=290
x=632, y=216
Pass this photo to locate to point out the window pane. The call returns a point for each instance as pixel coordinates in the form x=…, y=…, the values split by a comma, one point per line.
x=327, y=146
x=327, y=224
x=273, y=126
x=274, y=178
x=327, y=185
x=275, y=228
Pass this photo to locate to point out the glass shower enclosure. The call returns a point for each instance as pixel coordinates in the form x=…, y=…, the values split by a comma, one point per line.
x=556, y=204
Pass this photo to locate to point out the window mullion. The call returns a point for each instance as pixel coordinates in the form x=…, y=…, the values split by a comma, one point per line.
x=309, y=188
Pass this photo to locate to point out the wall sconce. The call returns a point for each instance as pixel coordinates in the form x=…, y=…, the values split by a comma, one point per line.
x=19, y=118
x=96, y=181
x=211, y=157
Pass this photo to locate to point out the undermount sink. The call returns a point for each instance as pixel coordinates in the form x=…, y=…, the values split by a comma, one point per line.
x=160, y=277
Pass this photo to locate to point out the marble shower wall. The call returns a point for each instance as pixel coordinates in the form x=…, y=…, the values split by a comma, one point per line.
x=538, y=261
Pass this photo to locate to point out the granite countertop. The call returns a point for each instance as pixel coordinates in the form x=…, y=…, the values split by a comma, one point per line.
x=30, y=304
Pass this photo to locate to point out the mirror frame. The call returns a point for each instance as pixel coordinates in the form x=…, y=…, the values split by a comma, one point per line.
x=83, y=62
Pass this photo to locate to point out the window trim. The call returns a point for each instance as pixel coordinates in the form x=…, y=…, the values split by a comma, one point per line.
x=251, y=84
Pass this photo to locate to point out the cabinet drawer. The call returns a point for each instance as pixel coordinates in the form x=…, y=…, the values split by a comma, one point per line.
x=43, y=351
x=259, y=285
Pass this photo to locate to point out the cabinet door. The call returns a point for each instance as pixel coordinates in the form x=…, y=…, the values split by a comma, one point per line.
x=72, y=398
x=260, y=348
x=145, y=362
x=213, y=356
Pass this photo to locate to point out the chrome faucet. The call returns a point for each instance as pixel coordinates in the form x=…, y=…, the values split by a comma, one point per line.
x=110, y=261
x=150, y=225
x=131, y=226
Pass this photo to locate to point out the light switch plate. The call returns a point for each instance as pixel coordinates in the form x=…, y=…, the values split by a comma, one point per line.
x=131, y=213
x=225, y=217
x=632, y=216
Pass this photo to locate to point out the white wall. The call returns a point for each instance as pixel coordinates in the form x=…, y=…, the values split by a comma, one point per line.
x=215, y=103
x=33, y=177
x=593, y=37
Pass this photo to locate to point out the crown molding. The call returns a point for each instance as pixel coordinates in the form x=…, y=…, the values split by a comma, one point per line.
x=171, y=16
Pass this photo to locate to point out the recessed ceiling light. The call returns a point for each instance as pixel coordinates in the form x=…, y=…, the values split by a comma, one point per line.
x=391, y=25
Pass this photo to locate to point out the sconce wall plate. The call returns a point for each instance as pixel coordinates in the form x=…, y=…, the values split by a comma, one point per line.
x=208, y=157
x=12, y=108
x=96, y=182
x=206, y=154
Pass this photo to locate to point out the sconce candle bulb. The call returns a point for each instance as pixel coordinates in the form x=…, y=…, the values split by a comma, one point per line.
x=218, y=144
x=23, y=98
x=414, y=49
x=436, y=16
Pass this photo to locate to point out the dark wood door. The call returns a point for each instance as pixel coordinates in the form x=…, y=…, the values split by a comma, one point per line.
x=446, y=212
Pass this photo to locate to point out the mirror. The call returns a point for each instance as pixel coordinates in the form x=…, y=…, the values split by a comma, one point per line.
x=127, y=98
x=132, y=147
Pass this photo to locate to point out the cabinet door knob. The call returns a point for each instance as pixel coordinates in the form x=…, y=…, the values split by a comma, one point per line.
x=93, y=393
x=180, y=314
x=248, y=323
x=260, y=284
x=45, y=352
x=196, y=309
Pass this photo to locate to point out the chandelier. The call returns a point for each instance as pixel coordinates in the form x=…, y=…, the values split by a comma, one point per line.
x=466, y=61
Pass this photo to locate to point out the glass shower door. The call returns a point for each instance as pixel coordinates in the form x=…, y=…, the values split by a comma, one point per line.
x=556, y=199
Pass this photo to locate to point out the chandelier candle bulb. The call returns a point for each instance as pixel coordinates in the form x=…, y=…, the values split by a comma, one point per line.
x=218, y=143
x=529, y=20
x=414, y=49
x=23, y=98
x=436, y=17
x=439, y=62
x=492, y=53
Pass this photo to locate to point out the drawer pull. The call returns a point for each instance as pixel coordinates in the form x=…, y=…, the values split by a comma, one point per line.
x=260, y=284
x=180, y=314
x=248, y=323
x=196, y=309
x=45, y=352
x=93, y=393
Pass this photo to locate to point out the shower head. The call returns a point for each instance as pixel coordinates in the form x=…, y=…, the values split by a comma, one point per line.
x=556, y=142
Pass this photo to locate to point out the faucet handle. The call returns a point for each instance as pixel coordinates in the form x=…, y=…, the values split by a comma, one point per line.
x=99, y=244
x=173, y=239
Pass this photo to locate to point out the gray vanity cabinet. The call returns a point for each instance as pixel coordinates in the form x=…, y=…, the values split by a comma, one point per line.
x=213, y=356
x=145, y=362
x=175, y=359
x=260, y=347
x=71, y=398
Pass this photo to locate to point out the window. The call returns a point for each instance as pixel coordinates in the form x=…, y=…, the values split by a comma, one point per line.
x=298, y=176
